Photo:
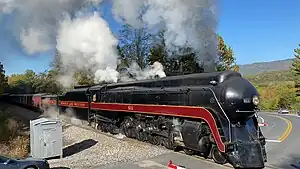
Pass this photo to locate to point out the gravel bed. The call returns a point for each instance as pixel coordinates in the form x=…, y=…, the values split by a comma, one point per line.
x=98, y=150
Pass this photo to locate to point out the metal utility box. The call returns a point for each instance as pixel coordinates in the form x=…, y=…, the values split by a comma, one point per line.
x=46, y=138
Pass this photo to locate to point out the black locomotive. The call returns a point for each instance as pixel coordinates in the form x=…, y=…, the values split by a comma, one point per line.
x=211, y=114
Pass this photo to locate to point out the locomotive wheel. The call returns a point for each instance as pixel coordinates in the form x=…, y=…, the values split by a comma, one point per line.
x=217, y=156
x=106, y=128
x=170, y=143
x=154, y=140
x=126, y=127
x=165, y=142
x=205, y=142
x=141, y=136
x=101, y=127
x=188, y=151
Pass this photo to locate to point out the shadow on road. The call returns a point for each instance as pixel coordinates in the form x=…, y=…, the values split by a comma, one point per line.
x=293, y=162
x=78, y=147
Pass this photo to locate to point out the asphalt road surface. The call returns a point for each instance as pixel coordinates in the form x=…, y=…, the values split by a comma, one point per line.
x=283, y=148
x=283, y=140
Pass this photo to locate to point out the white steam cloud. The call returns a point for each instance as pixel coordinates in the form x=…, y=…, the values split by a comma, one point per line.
x=86, y=41
x=35, y=22
x=190, y=23
x=152, y=71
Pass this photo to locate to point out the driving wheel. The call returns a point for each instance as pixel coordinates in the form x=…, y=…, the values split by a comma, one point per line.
x=218, y=156
x=188, y=151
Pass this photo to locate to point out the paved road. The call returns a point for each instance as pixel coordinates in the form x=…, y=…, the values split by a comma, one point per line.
x=161, y=162
x=283, y=140
x=283, y=148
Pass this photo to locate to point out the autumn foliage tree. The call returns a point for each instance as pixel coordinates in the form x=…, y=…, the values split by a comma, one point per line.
x=275, y=96
x=226, y=60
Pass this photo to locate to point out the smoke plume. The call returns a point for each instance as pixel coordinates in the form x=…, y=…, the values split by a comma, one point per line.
x=87, y=42
x=35, y=22
x=190, y=23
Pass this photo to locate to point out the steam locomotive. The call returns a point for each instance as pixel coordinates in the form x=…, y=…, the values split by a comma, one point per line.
x=209, y=114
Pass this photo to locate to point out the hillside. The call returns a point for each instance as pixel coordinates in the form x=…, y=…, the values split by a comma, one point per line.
x=260, y=67
x=271, y=77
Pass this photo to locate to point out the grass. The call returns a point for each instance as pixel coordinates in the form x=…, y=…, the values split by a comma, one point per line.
x=13, y=143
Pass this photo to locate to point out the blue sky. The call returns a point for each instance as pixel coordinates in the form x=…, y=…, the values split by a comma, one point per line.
x=256, y=30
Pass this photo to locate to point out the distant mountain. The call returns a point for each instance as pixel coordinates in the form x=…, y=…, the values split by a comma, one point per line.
x=260, y=67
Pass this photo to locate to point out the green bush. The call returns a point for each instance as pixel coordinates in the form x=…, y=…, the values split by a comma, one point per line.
x=4, y=130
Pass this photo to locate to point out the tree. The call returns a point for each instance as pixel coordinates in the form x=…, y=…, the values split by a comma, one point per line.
x=268, y=97
x=296, y=69
x=45, y=83
x=277, y=95
x=56, y=65
x=183, y=63
x=158, y=51
x=286, y=95
x=123, y=60
x=135, y=45
x=3, y=79
x=84, y=77
x=226, y=60
x=23, y=83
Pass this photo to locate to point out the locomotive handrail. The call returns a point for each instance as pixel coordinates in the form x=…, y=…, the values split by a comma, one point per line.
x=229, y=129
x=244, y=111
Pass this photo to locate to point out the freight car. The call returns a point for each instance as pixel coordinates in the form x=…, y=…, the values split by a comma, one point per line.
x=211, y=114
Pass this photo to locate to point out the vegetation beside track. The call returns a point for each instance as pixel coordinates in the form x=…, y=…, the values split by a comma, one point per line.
x=14, y=141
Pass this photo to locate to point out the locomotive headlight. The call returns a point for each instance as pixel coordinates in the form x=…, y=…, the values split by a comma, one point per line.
x=255, y=100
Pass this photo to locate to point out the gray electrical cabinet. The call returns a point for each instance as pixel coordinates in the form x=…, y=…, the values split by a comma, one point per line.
x=46, y=138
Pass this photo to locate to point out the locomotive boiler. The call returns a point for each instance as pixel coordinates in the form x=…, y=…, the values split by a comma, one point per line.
x=211, y=114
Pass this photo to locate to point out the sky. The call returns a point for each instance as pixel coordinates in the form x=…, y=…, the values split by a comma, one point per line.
x=257, y=31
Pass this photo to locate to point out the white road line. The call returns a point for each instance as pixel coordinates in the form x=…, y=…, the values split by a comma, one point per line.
x=273, y=141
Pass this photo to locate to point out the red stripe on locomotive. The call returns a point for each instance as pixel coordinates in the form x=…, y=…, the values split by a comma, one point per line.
x=74, y=104
x=186, y=111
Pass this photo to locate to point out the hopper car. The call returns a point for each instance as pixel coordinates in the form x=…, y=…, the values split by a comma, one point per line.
x=209, y=114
